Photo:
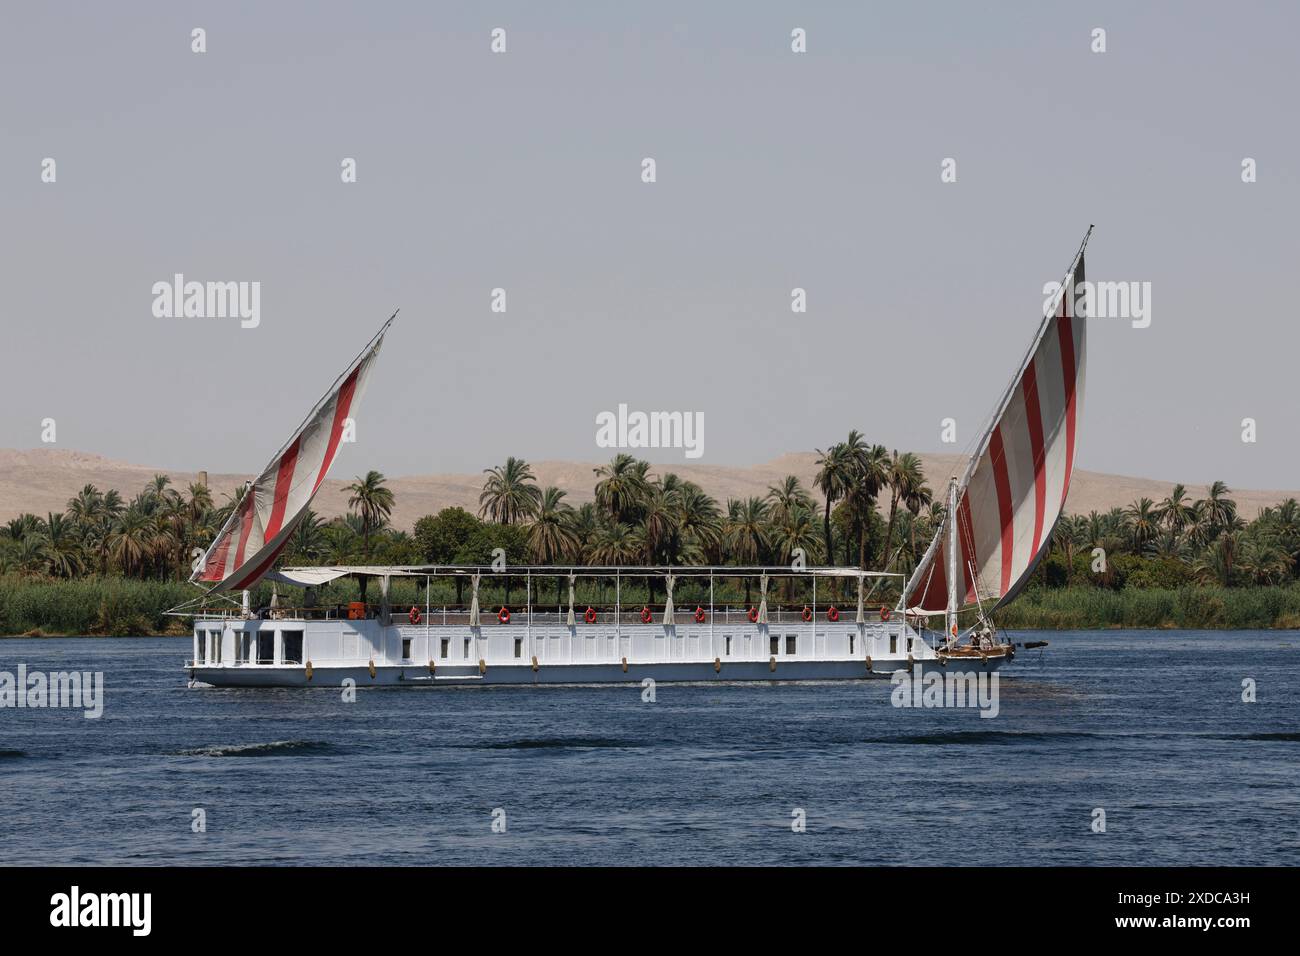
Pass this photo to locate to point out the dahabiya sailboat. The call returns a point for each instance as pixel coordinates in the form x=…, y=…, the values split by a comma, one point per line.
x=996, y=526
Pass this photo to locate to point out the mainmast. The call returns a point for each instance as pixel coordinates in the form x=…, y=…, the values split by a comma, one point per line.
x=950, y=616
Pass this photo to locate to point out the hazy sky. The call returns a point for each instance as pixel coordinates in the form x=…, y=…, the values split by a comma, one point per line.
x=523, y=171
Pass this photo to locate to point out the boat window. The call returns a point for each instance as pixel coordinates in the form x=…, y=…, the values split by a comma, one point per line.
x=851, y=638
x=893, y=643
x=727, y=638
x=292, y=646
x=519, y=647
x=790, y=643
x=406, y=648
x=216, y=647
x=265, y=647
x=467, y=648
x=909, y=645
x=245, y=642
x=201, y=655
x=776, y=645
x=445, y=642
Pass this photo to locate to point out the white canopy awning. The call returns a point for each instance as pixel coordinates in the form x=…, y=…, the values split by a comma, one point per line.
x=922, y=612
x=313, y=577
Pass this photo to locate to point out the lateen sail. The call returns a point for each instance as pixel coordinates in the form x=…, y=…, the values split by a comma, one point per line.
x=273, y=504
x=1014, y=490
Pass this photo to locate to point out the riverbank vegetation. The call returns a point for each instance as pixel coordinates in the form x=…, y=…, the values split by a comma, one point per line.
x=111, y=565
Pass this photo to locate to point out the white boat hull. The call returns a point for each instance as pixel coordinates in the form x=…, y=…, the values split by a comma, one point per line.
x=253, y=653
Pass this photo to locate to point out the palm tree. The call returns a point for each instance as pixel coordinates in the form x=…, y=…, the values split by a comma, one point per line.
x=1216, y=512
x=63, y=551
x=1177, y=512
x=621, y=487
x=1143, y=523
x=162, y=539
x=786, y=496
x=902, y=473
x=917, y=497
x=21, y=527
x=1219, y=560
x=835, y=471
x=659, y=522
x=1285, y=528
x=175, y=516
x=1168, y=544
x=1263, y=562
x=747, y=530
x=699, y=521
x=551, y=537
x=308, y=537
x=131, y=540
x=33, y=554
x=748, y=533
x=795, y=529
x=200, y=502
x=92, y=515
x=156, y=486
x=586, y=522
x=509, y=495
x=114, y=508
x=615, y=545
x=340, y=544
x=369, y=498
x=85, y=508
x=870, y=472
x=1069, y=533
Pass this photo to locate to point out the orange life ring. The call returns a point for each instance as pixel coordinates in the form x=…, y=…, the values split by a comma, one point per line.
x=753, y=615
x=884, y=613
x=590, y=616
x=699, y=614
x=954, y=630
x=414, y=615
x=646, y=615
x=807, y=613
x=832, y=613
x=503, y=615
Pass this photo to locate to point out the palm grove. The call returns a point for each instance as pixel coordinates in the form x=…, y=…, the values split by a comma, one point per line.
x=867, y=507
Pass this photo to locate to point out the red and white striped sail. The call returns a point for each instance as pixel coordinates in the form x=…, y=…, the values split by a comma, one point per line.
x=273, y=504
x=1015, y=489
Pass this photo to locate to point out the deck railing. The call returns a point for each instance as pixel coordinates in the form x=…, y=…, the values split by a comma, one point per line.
x=444, y=614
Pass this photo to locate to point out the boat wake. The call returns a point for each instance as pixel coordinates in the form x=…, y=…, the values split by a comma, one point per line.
x=985, y=737
x=259, y=750
x=557, y=743
x=1024, y=736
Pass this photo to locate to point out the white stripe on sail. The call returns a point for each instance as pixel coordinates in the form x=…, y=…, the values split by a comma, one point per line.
x=1051, y=394
x=1021, y=469
x=987, y=529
